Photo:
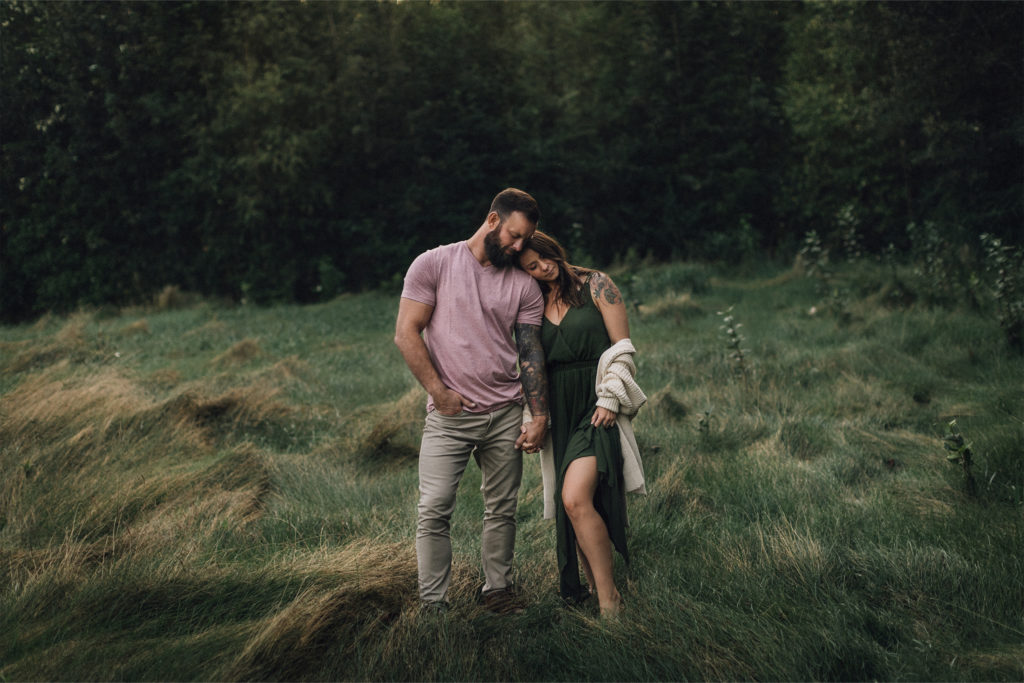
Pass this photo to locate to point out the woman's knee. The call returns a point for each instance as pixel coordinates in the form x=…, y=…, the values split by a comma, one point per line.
x=579, y=486
x=576, y=502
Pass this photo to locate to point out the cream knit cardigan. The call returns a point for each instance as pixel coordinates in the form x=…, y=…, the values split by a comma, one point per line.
x=617, y=391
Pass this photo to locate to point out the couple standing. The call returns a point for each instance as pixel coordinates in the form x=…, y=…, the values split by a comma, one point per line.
x=469, y=311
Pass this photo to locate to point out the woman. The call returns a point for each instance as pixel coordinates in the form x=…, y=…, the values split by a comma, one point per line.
x=585, y=334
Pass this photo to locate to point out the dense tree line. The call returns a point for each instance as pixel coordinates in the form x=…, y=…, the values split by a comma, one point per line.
x=280, y=151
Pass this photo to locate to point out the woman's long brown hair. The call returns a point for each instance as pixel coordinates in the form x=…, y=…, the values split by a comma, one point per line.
x=570, y=278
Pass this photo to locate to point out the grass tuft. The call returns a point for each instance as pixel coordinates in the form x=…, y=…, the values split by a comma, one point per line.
x=388, y=434
x=665, y=404
x=239, y=354
x=293, y=642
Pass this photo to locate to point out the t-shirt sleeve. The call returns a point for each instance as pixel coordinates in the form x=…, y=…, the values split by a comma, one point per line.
x=531, y=309
x=421, y=279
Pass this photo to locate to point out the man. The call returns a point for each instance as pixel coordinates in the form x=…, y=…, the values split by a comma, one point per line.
x=465, y=299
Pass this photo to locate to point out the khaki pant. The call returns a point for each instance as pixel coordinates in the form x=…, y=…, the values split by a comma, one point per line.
x=444, y=452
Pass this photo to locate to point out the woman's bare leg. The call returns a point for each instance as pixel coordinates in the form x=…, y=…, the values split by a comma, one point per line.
x=587, y=571
x=578, y=489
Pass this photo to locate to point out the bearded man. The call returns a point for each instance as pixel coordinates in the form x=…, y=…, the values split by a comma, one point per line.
x=466, y=319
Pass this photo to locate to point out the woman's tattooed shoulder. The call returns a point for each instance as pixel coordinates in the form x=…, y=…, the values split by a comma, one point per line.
x=604, y=289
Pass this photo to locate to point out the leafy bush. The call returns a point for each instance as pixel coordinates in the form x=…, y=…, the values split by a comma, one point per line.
x=1005, y=265
x=656, y=281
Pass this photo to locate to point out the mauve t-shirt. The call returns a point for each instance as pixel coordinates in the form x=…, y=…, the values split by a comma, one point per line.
x=469, y=335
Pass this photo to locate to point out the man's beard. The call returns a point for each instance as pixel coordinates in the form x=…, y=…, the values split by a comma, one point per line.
x=495, y=254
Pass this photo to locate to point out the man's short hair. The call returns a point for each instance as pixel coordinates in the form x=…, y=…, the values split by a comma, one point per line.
x=511, y=199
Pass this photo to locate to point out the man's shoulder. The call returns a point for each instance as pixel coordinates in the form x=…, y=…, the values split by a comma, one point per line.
x=526, y=288
x=432, y=261
x=524, y=279
x=443, y=252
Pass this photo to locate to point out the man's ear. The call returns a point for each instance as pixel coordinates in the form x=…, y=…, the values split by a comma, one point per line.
x=493, y=220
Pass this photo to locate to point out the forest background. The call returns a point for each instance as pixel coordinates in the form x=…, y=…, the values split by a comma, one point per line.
x=290, y=152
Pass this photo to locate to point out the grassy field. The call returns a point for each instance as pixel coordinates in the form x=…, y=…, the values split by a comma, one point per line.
x=200, y=492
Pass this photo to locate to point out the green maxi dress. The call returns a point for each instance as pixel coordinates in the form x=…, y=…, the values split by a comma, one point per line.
x=573, y=348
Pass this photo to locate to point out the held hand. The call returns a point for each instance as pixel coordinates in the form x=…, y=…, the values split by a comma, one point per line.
x=450, y=403
x=603, y=417
x=531, y=436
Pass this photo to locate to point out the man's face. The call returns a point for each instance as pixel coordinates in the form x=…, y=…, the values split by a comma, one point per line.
x=504, y=242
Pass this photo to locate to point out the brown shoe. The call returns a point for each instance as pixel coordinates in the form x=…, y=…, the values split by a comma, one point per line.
x=502, y=601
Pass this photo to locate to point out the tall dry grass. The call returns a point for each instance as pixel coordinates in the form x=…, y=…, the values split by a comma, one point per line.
x=363, y=590
x=100, y=466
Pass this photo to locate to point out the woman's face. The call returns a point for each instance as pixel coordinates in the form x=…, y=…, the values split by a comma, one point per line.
x=543, y=269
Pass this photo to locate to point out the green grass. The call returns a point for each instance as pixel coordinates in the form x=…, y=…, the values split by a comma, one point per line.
x=215, y=493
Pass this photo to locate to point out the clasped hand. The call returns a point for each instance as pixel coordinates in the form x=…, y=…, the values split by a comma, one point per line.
x=531, y=435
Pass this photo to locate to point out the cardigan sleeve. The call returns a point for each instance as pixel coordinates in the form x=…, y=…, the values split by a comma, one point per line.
x=617, y=389
x=616, y=385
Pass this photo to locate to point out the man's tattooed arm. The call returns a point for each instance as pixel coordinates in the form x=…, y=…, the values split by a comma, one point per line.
x=531, y=368
x=604, y=290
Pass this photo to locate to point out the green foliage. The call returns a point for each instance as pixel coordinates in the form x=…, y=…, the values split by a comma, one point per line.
x=287, y=152
x=894, y=109
x=960, y=453
x=815, y=260
x=941, y=272
x=1005, y=265
x=734, y=341
x=648, y=283
x=94, y=99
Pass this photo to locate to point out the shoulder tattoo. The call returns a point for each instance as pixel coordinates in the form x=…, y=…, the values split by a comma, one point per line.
x=603, y=289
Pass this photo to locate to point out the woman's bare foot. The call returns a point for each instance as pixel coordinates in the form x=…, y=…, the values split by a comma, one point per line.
x=613, y=607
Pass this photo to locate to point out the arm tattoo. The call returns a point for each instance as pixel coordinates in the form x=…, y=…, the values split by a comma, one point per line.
x=602, y=286
x=531, y=366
